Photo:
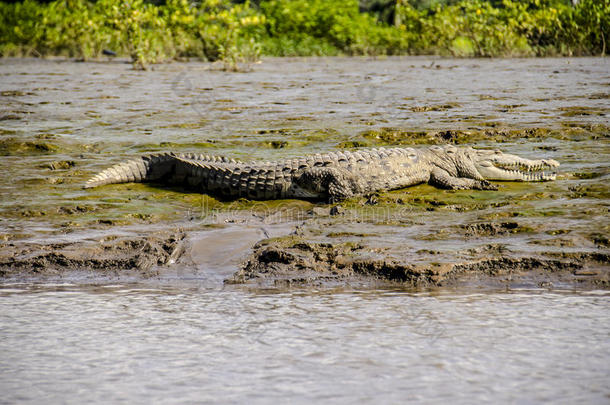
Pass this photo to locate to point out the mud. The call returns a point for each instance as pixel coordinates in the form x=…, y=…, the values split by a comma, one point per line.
x=62, y=122
x=112, y=256
x=295, y=262
x=493, y=229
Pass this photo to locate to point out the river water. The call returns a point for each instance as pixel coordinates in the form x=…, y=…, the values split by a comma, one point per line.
x=183, y=337
x=179, y=344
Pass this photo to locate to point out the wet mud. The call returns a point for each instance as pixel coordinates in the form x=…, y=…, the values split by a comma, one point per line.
x=112, y=256
x=62, y=122
x=291, y=262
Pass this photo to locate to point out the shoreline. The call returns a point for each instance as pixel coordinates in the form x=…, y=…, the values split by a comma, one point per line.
x=290, y=261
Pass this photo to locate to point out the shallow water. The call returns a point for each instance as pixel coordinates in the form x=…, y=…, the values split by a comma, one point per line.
x=183, y=337
x=183, y=344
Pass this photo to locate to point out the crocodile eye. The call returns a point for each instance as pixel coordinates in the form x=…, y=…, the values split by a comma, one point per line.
x=498, y=152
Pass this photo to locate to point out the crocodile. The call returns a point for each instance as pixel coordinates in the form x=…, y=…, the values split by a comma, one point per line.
x=331, y=176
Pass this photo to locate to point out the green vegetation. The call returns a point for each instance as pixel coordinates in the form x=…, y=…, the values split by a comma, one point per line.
x=507, y=28
x=322, y=27
x=213, y=29
x=240, y=33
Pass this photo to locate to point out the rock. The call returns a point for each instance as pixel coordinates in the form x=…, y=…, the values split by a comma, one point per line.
x=337, y=210
x=321, y=211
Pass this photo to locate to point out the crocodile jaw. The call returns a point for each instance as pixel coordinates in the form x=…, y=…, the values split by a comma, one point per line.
x=495, y=165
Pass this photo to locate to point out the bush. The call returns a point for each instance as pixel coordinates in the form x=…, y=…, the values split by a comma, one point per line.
x=147, y=33
x=585, y=29
x=19, y=33
x=506, y=27
x=239, y=33
x=334, y=25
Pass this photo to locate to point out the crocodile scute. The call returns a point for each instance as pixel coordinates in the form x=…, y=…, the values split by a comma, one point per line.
x=332, y=176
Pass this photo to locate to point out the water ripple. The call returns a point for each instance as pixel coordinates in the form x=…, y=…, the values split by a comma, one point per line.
x=137, y=343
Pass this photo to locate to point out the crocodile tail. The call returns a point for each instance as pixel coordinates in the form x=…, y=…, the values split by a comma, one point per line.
x=145, y=168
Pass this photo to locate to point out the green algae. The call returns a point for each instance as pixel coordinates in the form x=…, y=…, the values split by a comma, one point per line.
x=510, y=107
x=282, y=241
x=59, y=165
x=187, y=125
x=301, y=118
x=483, y=97
x=187, y=146
x=117, y=205
x=428, y=198
x=586, y=175
x=436, y=107
x=16, y=93
x=278, y=144
x=395, y=136
x=597, y=191
x=578, y=111
x=440, y=234
x=150, y=203
x=349, y=235
x=265, y=208
x=352, y=144
x=599, y=96
x=13, y=146
x=39, y=145
x=600, y=240
x=542, y=212
x=484, y=132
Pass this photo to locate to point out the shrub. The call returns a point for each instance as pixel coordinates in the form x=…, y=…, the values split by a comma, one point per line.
x=238, y=33
x=337, y=25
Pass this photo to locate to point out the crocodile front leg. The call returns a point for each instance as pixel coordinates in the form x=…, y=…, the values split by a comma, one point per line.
x=442, y=179
x=330, y=183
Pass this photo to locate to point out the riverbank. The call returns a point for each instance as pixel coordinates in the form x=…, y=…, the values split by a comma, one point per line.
x=62, y=122
x=301, y=260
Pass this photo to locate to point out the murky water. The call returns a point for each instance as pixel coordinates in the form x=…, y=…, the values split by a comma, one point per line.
x=183, y=337
x=182, y=344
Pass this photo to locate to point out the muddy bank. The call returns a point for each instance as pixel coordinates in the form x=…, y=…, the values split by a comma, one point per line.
x=62, y=122
x=295, y=262
x=110, y=257
x=291, y=261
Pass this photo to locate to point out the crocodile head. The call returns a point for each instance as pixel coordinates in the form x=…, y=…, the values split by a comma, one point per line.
x=496, y=165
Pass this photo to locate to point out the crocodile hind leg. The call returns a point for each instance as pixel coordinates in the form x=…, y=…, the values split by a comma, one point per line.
x=442, y=179
x=330, y=183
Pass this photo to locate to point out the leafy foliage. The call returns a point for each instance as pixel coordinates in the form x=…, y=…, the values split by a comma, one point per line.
x=213, y=29
x=238, y=33
x=506, y=27
x=338, y=25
